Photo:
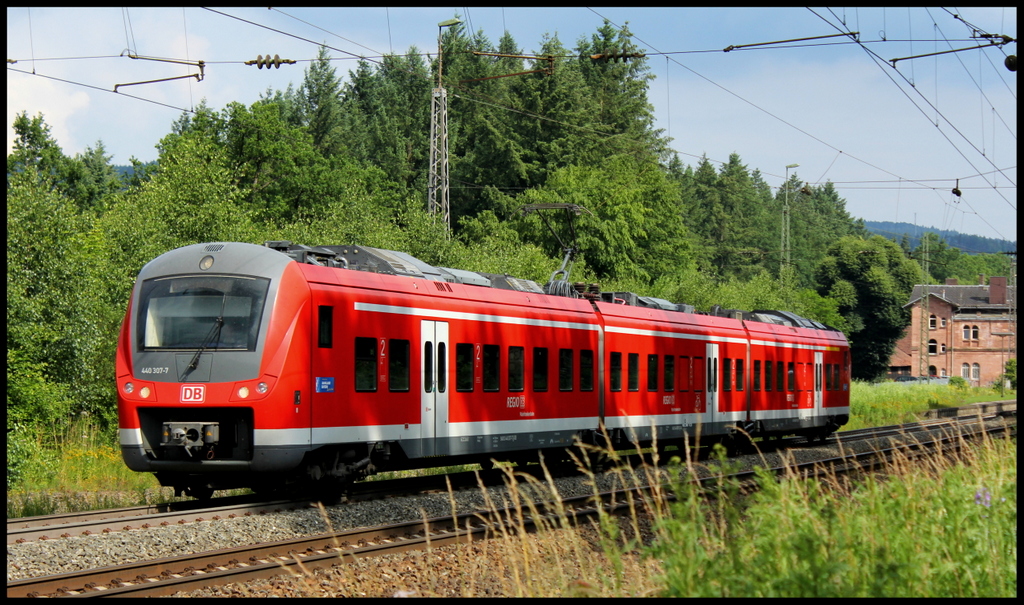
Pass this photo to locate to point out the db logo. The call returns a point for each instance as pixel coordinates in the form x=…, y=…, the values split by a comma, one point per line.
x=193, y=393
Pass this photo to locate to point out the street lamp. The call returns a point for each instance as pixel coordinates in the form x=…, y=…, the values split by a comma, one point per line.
x=785, y=224
x=438, y=177
x=441, y=26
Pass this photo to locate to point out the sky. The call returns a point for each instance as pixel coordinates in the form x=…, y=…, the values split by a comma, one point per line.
x=894, y=140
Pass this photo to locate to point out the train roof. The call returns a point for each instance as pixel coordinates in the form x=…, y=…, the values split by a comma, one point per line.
x=390, y=262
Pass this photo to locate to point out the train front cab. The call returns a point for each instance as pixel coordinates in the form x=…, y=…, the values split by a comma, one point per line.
x=194, y=408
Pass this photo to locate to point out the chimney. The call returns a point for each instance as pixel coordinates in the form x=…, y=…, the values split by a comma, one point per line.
x=951, y=281
x=981, y=279
x=997, y=291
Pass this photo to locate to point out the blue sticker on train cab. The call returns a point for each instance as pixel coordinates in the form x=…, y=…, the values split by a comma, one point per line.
x=324, y=385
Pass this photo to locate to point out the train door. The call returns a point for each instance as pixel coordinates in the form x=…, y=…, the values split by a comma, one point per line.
x=818, y=367
x=711, y=403
x=434, y=394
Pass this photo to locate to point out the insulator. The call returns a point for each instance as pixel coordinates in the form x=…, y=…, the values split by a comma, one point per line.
x=267, y=61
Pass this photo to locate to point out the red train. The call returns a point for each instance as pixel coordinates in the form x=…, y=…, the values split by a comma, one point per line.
x=243, y=365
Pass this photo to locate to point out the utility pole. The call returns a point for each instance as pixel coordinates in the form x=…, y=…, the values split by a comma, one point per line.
x=923, y=346
x=785, y=224
x=437, y=186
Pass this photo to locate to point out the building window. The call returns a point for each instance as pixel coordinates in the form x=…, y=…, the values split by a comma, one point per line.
x=974, y=332
x=931, y=322
x=942, y=348
x=932, y=347
x=967, y=332
x=965, y=371
x=943, y=322
x=931, y=371
x=943, y=374
x=976, y=372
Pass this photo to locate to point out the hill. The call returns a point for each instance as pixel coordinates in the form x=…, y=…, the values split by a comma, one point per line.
x=969, y=244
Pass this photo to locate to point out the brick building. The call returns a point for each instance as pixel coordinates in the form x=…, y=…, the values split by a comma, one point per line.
x=971, y=331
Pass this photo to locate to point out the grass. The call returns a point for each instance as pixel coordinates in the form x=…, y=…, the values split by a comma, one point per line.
x=897, y=403
x=944, y=527
x=84, y=471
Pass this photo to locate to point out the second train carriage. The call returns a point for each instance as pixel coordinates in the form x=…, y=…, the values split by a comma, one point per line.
x=244, y=365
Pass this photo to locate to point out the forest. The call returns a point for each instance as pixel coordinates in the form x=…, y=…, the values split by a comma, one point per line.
x=343, y=159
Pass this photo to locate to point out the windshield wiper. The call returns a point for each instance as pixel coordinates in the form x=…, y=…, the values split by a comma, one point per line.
x=212, y=337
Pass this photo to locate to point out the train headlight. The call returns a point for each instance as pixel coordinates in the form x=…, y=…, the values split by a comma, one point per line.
x=129, y=387
x=144, y=392
x=206, y=263
x=261, y=388
x=243, y=392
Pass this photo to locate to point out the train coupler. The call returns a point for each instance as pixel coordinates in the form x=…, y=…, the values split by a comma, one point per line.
x=193, y=436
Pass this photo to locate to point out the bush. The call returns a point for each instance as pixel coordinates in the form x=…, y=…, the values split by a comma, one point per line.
x=958, y=383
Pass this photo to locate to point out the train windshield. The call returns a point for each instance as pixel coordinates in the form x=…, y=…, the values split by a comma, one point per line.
x=211, y=312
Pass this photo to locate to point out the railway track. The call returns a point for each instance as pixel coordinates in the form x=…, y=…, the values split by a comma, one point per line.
x=189, y=572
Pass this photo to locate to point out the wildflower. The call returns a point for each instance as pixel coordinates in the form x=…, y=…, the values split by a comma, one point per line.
x=983, y=497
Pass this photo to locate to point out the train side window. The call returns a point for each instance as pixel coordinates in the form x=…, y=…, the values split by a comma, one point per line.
x=780, y=374
x=586, y=370
x=828, y=376
x=464, y=367
x=615, y=372
x=791, y=373
x=835, y=377
x=565, y=373
x=652, y=373
x=670, y=373
x=398, y=365
x=516, y=371
x=768, y=375
x=366, y=364
x=492, y=368
x=634, y=371
x=442, y=367
x=325, y=327
x=726, y=374
x=685, y=373
x=698, y=374
x=757, y=374
x=739, y=375
x=540, y=369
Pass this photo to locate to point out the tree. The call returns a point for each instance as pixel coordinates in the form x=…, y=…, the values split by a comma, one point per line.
x=871, y=280
x=319, y=103
x=86, y=179
x=57, y=311
x=941, y=257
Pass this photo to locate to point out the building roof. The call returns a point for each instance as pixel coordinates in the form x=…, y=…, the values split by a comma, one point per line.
x=964, y=297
